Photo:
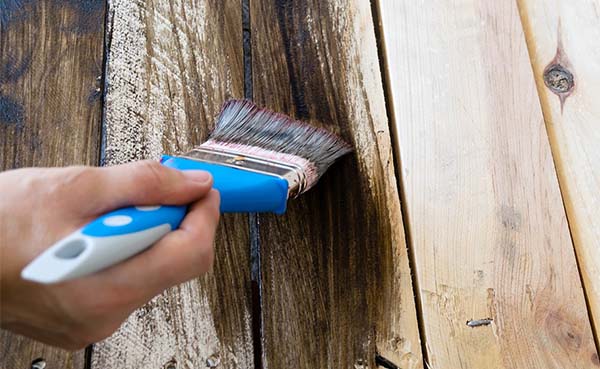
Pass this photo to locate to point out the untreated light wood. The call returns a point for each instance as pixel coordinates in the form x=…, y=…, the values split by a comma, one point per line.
x=50, y=111
x=486, y=220
x=171, y=64
x=562, y=38
x=336, y=280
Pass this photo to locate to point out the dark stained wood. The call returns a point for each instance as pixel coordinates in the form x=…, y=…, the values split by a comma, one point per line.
x=50, y=61
x=336, y=281
x=171, y=64
x=50, y=110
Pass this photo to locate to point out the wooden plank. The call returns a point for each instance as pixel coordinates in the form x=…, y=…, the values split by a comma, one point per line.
x=43, y=42
x=336, y=280
x=171, y=64
x=561, y=37
x=50, y=110
x=487, y=224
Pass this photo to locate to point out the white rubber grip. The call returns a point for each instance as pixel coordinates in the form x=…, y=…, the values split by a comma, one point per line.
x=78, y=254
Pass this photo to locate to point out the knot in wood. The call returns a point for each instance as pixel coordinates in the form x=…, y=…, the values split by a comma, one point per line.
x=595, y=359
x=558, y=79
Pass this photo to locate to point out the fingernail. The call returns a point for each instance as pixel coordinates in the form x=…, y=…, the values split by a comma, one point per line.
x=198, y=175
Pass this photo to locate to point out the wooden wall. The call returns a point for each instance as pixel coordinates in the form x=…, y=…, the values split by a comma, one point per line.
x=460, y=233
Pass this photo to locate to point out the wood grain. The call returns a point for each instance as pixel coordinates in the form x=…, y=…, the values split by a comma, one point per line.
x=43, y=42
x=486, y=220
x=336, y=281
x=50, y=110
x=564, y=35
x=171, y=64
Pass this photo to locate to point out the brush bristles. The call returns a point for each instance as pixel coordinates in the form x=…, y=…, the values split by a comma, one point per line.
x=243, y=123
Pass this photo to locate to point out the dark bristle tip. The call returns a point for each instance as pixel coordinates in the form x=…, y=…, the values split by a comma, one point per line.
x=242, y=122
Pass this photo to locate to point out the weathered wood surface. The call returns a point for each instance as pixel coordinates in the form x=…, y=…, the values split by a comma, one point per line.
x=47, y=119
x=336, y=281
x=563, y=45
x=171, y=64
x=488, y=229
x=489, y=234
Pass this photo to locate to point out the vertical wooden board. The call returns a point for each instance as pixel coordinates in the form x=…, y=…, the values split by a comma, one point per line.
x=485, y=216
x=336, y=280
x=563, y=45
x=171, y=64
x=50, y=74
x=50, y=110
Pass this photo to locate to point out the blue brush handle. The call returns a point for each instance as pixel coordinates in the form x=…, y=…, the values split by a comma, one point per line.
x=122, y=233
x=241, y=191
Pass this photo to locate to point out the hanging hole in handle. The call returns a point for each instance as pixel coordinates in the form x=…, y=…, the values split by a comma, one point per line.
x=71, y=249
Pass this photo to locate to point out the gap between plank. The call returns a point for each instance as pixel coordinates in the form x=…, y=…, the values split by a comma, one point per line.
x=89, y=350
x=389, y=107
x=87, y=358
x=108, y=35
x=253, y=218
x=530, y=42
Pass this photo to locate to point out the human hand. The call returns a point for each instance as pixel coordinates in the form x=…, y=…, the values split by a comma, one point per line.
x=41, y=206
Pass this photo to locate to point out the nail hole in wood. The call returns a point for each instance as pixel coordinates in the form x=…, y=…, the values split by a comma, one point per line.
x=38, y=363
x=171, y=364
x=382, y=362
x=213, y=361
x=558, y=79
x=360, y=364
x=479, y=322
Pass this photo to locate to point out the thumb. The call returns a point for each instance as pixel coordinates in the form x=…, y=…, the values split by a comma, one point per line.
x=146, y=183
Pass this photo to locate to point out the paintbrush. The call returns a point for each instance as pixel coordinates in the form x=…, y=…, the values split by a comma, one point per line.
x=258, y=159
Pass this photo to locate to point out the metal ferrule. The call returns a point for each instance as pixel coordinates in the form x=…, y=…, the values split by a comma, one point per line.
x=292, y=173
